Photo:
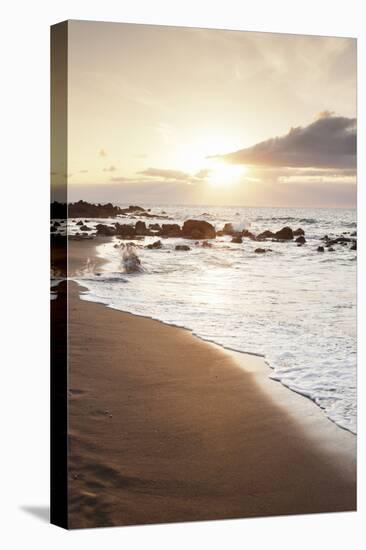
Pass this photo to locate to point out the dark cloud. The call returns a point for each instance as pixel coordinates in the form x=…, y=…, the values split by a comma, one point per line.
x=329, y=142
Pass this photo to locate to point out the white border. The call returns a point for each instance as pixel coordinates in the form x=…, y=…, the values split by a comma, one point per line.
x=25, y=201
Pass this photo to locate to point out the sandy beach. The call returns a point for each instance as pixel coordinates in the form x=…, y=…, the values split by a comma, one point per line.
x=164, y=427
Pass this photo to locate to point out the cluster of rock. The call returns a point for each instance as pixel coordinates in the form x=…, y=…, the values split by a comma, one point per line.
x=83, y=209
x=342, y=240
x=191, y=229
x=198, y=230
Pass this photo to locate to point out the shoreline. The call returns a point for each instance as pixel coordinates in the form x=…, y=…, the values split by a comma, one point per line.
x=167, y=427
x=293, y=404
x=83, y=251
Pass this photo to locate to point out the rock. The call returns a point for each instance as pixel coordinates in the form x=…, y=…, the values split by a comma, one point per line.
x=284, y=234
x=154, y=245
x=198, y=229
x=238, y=239
x=85, y=228
x=182, y=247
x=354, y=234
x=206, y=244
x=299, y=232
x=354, y=246
x=170, y=230
x=330, y=249
x=53, y=229
x=246, y=233
x=228, y=229
x=80, y=223
x=260, y=250
x=300, y=240
x=125, y=230
x=105, y=230
x=320, y=249
x=56, y=224
x=83, y=209
x=141, y=229
x=155, y=226
x=265, y=235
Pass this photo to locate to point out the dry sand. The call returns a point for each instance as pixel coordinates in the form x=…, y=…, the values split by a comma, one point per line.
x=164, y=427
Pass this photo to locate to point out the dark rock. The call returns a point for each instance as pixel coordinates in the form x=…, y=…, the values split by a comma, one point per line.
x=300, y=240
x=83, y=209
x=299, y=232
x=155, y=226
x=354, y=234
x=228, y=229
x=206, y=244
x=260, y=250
x=330, y=249
x=284, y=234
x=56, y=224
x=182, y=247
x=85, y=228
x=53, y=229
x=339, y=240
x=170, y=230
x=198, y=229
x=105, y=230
x=265, y=235
x=320, y=249
x=353, y=246
x=155, y=245
x=80, y=223
x=140, y=228
x=246, y=233
x=238, y=239
x=125, y=230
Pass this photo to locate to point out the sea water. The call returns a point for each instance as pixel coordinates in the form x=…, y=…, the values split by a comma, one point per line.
x=293, y=305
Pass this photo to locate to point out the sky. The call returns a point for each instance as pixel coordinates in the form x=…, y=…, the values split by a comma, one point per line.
x=168, y=115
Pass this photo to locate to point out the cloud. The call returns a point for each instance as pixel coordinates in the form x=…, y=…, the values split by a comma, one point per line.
x=102, y=153
x=174, y=175
x=110, y=168
x=84, y=171
x=329, y=142
x=122, y=179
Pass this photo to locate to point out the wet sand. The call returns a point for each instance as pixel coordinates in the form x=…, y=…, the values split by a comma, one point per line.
x=164, y=427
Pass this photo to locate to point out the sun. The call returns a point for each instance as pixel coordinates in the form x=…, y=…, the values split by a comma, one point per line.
x=222, y=174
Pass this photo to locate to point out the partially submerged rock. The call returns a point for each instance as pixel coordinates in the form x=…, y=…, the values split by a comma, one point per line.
x=284, y=234
x=105, y=230
x=228, y=229
x=182, y=247
x=125, y=230
x=170, y=230
x=154, y=245
x=237, y=239
x=265, y=235
x=198, y=229
x=300, y=240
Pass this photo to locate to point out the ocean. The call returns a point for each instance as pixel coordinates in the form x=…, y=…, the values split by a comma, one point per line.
x=294, y=306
